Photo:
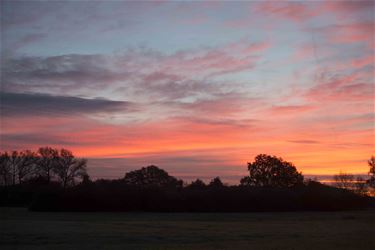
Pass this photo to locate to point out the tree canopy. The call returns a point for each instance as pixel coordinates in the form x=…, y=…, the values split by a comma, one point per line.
x=197, y=184
x=216, y=183
x=272, y=171
x=151, y=176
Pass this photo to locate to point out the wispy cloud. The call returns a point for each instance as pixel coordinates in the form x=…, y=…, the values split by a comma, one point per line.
x=32, y=104
x=142, y=71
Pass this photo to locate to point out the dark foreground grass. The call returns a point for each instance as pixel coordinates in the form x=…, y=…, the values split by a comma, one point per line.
x=21, y=229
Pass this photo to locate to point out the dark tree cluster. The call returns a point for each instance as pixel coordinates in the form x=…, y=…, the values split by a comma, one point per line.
x=152, y=176
x=156, y=196
x=47, y=164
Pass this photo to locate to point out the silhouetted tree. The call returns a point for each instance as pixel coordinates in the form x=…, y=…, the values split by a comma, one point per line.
x=68, y=168
x=151, y=176
x=360, y=186
x=16, y=166
x=14, y=160
x=86, y=179
x=344, y=180
x=5, y=168
x=271, y=171
x=197, y=184
x=47, y=157
x=26, y=165
x=371, y=164
x=216, y=183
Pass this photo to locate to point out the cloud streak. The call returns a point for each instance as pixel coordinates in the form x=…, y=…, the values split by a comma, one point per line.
x=32, y=104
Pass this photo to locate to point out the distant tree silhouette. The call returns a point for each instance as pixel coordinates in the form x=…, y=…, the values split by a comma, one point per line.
x=86, y=179
x=18, y=166
x=5, y=168
x=151, y=176
x=344, y=180
x=13, y=163
x=272, y=171
x=47, y=161
x=153, y=189
x=216, y=183
x=197, y=184
x=371, y=164
x=360, y=186
x=68, y=168
x=26, y=165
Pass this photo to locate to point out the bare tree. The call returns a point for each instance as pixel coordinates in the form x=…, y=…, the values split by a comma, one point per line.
x=344, y=180
x=68, y=168
x=26, y=165
x=47, y=157
x=5, y=169
x=14, y=161
x=360, y=186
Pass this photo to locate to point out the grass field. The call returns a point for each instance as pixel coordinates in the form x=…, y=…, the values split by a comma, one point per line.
x=21, y=229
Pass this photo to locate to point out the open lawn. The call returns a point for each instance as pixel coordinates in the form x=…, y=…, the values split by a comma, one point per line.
x=21, y=229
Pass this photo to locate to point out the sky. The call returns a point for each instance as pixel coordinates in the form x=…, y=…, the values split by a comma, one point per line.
x=196, y=88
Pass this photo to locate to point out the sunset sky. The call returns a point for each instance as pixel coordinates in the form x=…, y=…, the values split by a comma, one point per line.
x=196, y=88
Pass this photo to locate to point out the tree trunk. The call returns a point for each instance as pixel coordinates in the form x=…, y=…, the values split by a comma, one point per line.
x=14, y=177
x=48, y=175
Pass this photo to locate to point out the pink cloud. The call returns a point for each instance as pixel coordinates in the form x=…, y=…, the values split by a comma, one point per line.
x=351, y=33
x=293, y=11
x=363, y=61
x=232, y=57
x=291, y=109
x=343, y=88
x=257, y=47
x=345, y=9
x=299, y=12
x=306, y=51
x=226, y=105
x=217, y=61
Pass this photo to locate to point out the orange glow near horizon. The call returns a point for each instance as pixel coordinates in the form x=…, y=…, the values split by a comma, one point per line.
x=314, y=152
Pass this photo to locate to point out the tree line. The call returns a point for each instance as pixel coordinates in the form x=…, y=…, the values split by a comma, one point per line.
x=55, y=180
x=46, y=164
x=60, y=165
